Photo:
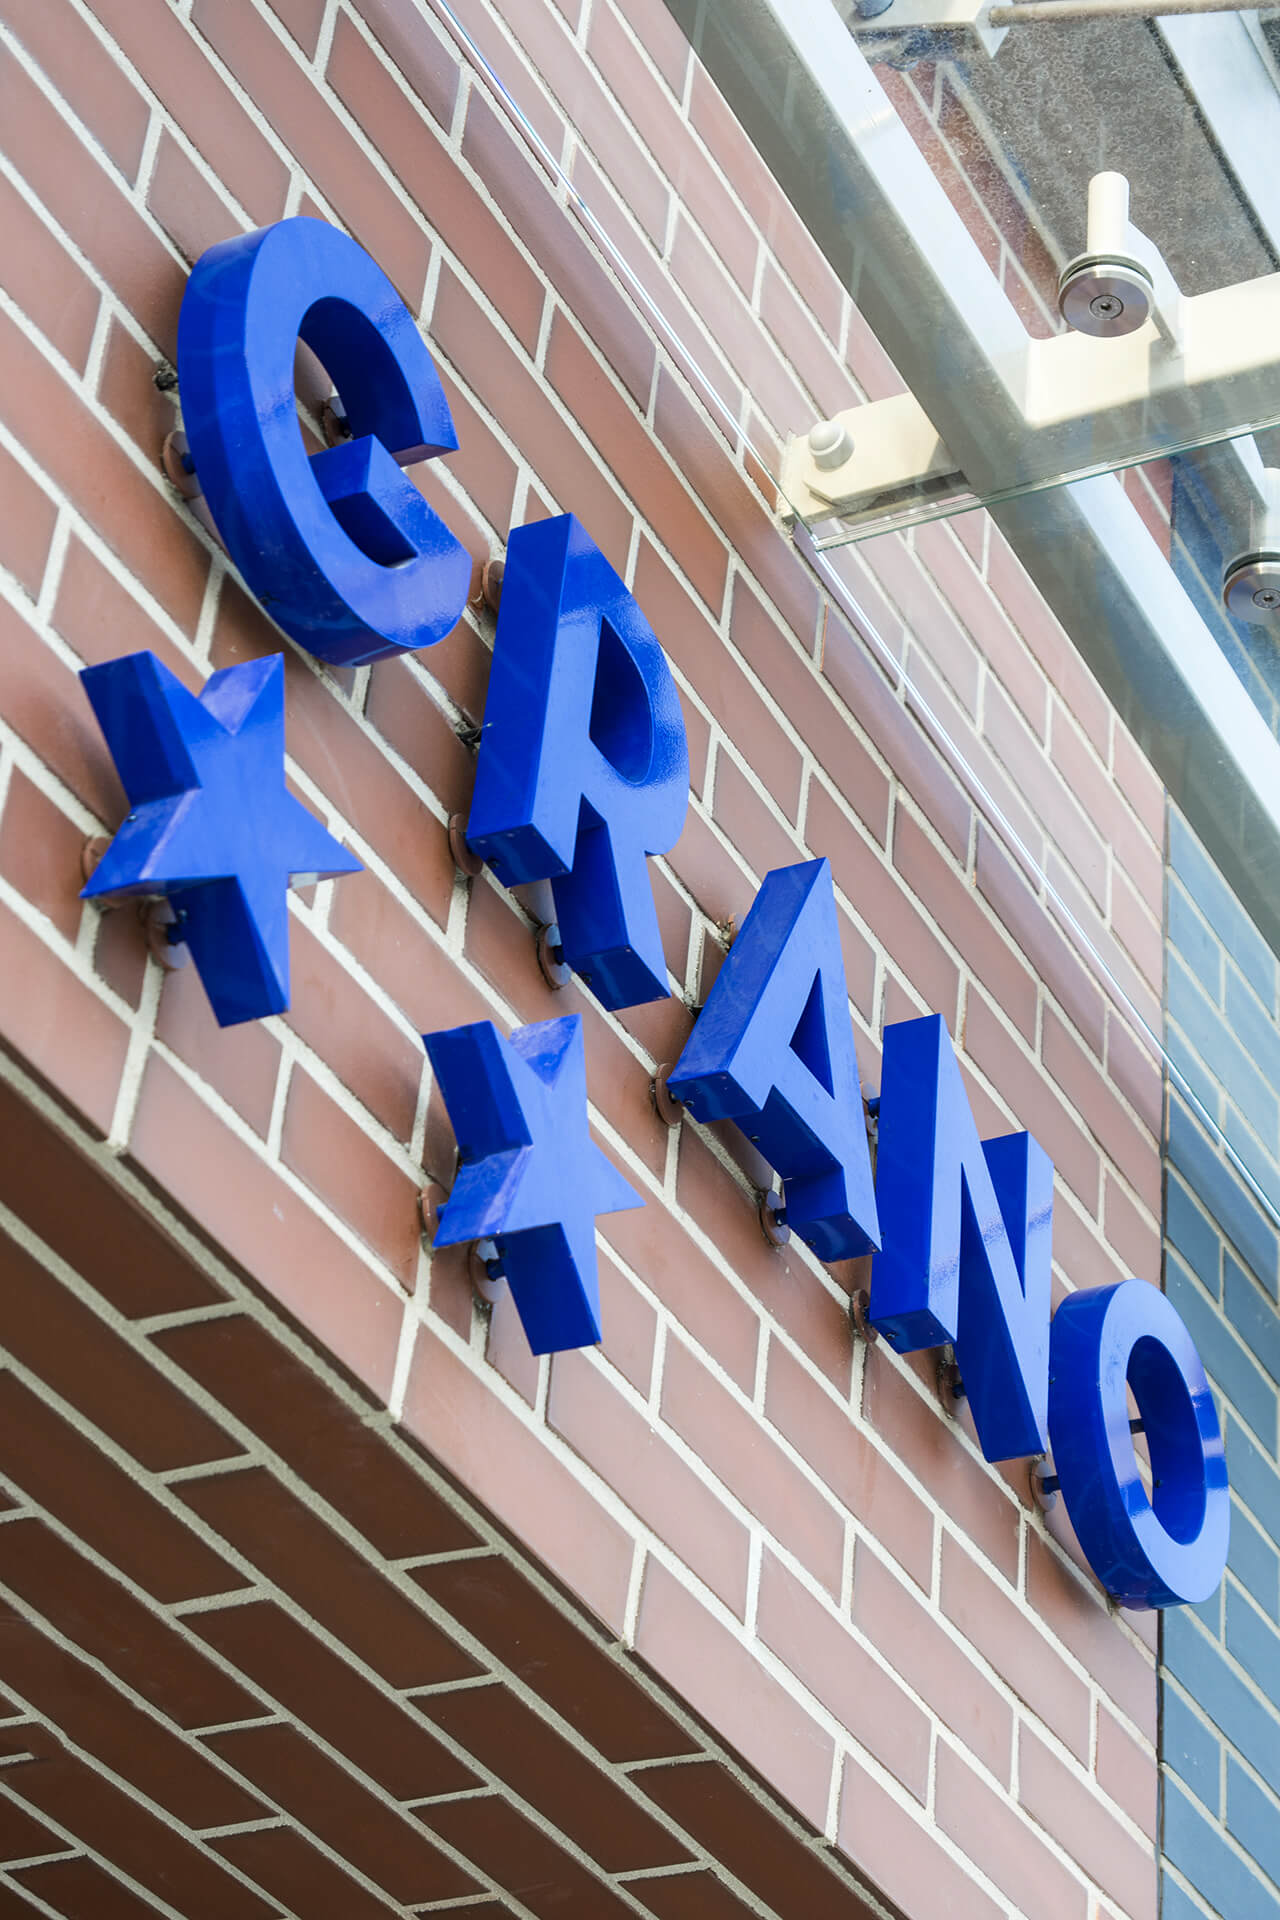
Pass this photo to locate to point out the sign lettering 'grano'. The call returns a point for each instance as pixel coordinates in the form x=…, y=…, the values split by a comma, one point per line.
x=583, y=773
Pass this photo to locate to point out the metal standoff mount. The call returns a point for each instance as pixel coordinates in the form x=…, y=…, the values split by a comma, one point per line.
x=1120, y=280
x=773, y=1219
x=1251, y=580
x=484, y=1257
x=555, y=969
x=668, y=1109
x=161, y=924
x=465, y=858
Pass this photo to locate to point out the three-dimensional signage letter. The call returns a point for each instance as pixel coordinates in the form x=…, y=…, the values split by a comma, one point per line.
x=1169, y=1547
x=211, y=824
x=966, y=1229
x=340, y=547
x=773, y=1051
x=530, y=1177
x=584, y=764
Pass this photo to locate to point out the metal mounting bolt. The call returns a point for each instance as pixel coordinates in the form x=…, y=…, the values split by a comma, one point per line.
x=773, y=1219
x=465, y=858
x=859, y=1309
x=668, y=1109
x=830, y=443
x=550, y=951
x=1107, y=306
x=1268, y=598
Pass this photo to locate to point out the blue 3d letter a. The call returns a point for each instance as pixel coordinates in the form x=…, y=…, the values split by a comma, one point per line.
x=967, y=1230
x=584, y=764
x=773, y=1051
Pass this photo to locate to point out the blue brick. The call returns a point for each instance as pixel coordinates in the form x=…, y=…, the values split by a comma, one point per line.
x=1253, y=1817
x=1194, y=943
x=1191, y=1078
x=1221, y=909
x=1253, y=1478
x=1191, y=1747
x=1255, y=1643
x=1254, y=1026
x=1230, y=1365
x=1175, y=1904
x=1253, y=1559
x=1203, y=1856
x=1193, y=1234
x=1202, y=1670
x=1258, y=1159
x=1213, y=1038
x=1219, y=1188
x=1251, y=1312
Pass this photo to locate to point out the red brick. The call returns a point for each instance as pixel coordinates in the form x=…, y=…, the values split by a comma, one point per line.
x=748, y=822
x=811, y=353
x=258, y=1222
x=563, y=252
x=45, y=1327
x=854, y=1688
x=876, y=894
x=860, y=1476
x=1059, y=1801
x=295, y=1873
x=375, y=1060
x=356, y=188
x=351, y=1174
x=382, y=937
x=933, y=1664
x=556, y=1657
x=98, y=92
x=978, y=937
x=453, y=1412
x=998, y=1628
x=40, y=853
x=399, y=706
x=425, y=61
x=522, y=1858
x=696, y=1294
x=634, y=1458
x=302, y=19
x=299, y=1553
x=1140, y=784
x=901, y=1857
x=700, y=1895
x=98, y=1717
x=101, y=619
x=390, y=1848
x=564, y=1785
x=704, y=865
x=298, y=1415
x=456, y=211
x=498, y=378
x=1037, y=1105
x=372, y=1729
x=794, y=687
x=620, y=436
x=70, y=441
x=101, y=1616
x=1127, y=1772
x=779, y=1279
x=1134, y=1237
x=733, y=503
x=21, y=1838
x=1080, y=1079
x=241, y=1063
x=719, y=1678
x=1076, y=1613
x=897, y=734
x=82, y=195
x=46, y=282
x=922, y=1438
x=1054, y=960
x=693, y=645
x=151, y=1851
x=1006, y=1848
x=67, y=1037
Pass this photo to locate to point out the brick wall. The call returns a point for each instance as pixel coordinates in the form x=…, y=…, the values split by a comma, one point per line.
x=781, y=1524
x=1220, y=1683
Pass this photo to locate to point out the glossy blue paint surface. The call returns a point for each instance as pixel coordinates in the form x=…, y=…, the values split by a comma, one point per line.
x=529, y=1175
x=340, y=547
x=211, y=825
x=584, y=765
x=773, y=1051
x=1171, y=1548
x=967, y=1229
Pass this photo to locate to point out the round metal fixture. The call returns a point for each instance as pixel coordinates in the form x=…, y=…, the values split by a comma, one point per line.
x=830, y=444
x=1251, y=588
x=1105, y=296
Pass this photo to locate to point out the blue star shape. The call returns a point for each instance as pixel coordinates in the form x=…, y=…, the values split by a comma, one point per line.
x=530, y=1176
x=211, y=823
